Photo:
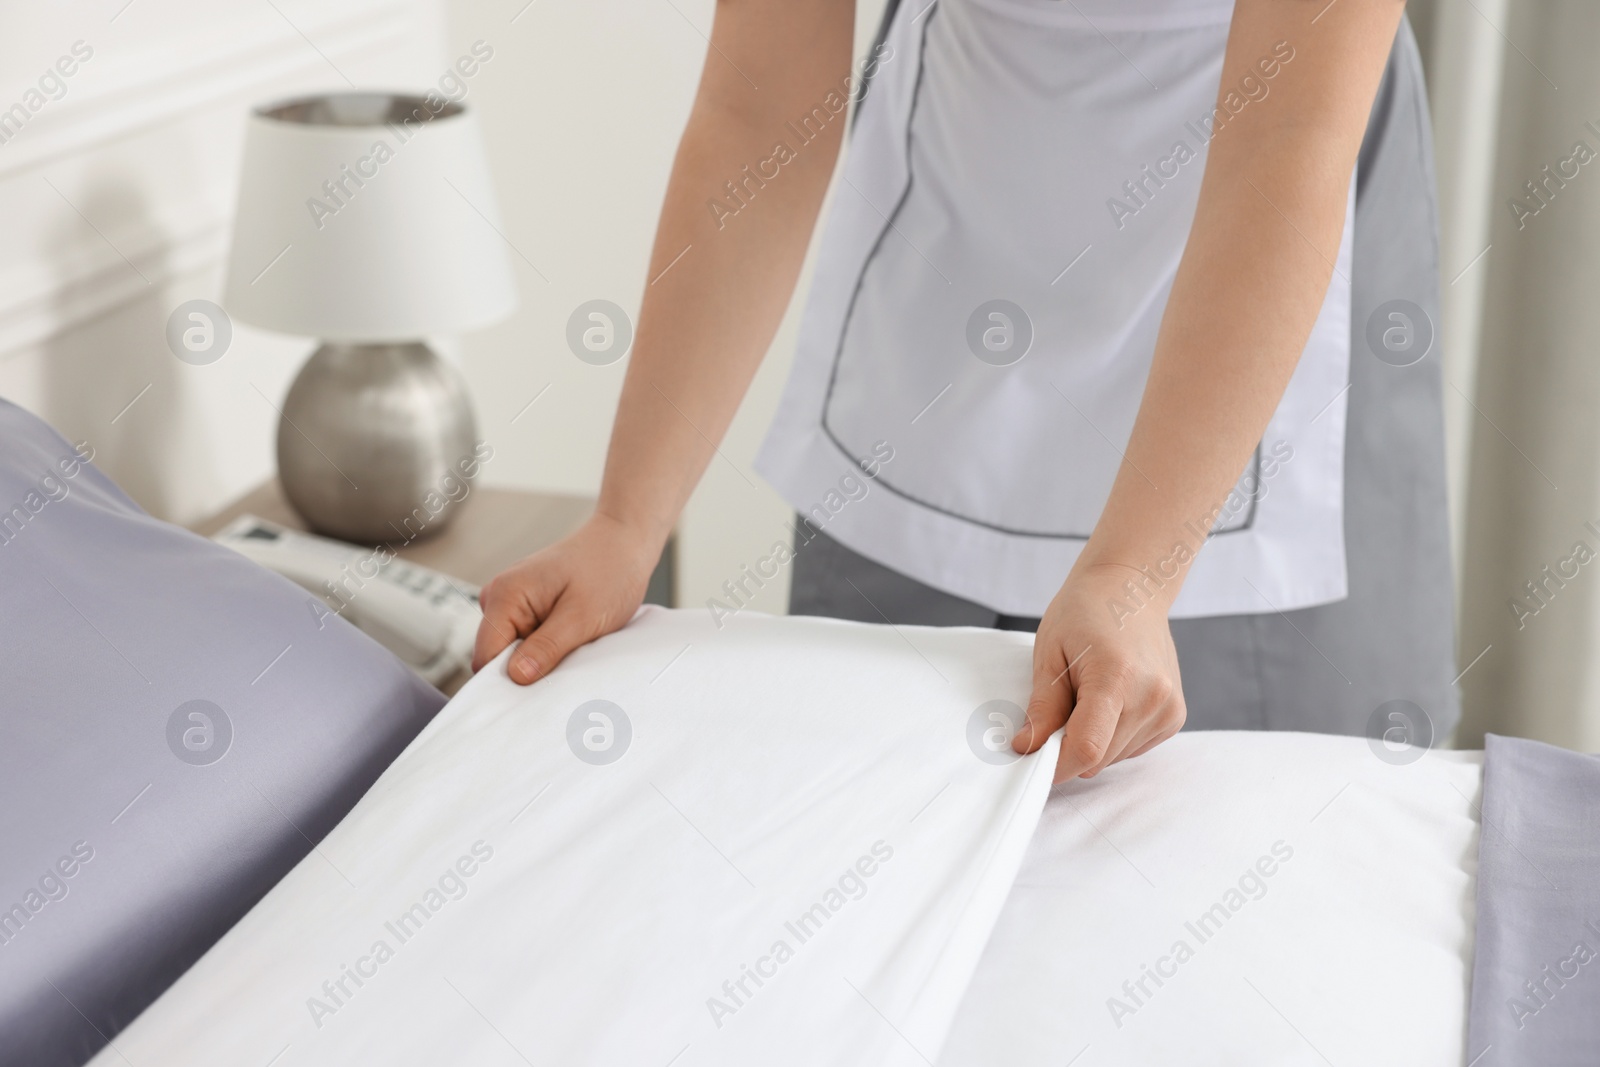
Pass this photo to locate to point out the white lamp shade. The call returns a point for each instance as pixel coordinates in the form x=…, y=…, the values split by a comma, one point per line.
x=365, y=217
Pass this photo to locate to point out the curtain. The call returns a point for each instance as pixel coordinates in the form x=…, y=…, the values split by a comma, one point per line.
x=1516, y=106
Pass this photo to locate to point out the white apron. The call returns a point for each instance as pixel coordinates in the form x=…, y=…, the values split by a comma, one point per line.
x=991, y=280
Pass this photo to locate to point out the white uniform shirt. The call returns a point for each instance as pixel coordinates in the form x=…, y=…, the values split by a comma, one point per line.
x=993, y=272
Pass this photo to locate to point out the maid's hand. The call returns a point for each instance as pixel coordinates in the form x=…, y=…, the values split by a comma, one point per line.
x=1106, y=671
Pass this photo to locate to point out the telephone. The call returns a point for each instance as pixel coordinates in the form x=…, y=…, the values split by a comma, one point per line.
x=426, y=618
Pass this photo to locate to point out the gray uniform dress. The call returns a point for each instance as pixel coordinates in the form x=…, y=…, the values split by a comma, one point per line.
x=1336, y=667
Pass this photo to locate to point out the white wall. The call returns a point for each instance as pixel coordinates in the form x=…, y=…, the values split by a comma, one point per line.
x=582, y=106
x=117, y=200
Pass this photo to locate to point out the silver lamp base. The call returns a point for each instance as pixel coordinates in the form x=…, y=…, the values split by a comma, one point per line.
x=376, y=442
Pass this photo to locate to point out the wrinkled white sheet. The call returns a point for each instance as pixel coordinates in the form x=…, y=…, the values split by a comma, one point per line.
x=495, y=899
x=1355, y=949
x=590, y=914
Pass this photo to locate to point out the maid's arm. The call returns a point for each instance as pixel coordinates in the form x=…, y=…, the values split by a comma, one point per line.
x=1248, y=290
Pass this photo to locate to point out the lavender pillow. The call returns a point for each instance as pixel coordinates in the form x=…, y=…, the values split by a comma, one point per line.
x=178, y=728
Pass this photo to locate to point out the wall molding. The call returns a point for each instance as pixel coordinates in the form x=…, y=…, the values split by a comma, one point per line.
x=46, y=291
x=160, y=90
x=40, y=300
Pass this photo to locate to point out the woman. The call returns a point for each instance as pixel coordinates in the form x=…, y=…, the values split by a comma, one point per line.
x=1120, y=326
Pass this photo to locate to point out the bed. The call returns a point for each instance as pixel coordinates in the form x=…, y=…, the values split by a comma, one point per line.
x=1228, y=898
x=764, y=840
x=177, y=729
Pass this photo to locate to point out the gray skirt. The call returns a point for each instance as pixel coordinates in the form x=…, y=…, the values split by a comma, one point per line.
x=1335, y=668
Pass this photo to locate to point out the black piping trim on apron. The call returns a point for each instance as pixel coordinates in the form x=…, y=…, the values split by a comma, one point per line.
x=878, y=41
x=890, y=10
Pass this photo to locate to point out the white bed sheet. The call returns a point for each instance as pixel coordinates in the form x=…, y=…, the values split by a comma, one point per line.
x=1356, y=950
x=577, y=913
x=607, y=904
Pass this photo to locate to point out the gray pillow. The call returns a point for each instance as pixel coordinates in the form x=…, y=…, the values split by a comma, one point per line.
x=178, y=728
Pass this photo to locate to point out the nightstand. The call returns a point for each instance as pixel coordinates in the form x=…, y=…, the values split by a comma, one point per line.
x=492, y=530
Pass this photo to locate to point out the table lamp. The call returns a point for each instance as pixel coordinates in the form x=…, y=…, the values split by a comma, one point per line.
x=368, y=220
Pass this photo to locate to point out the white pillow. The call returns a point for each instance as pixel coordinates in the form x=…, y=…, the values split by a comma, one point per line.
x=801, y=782
x=1356, y=949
